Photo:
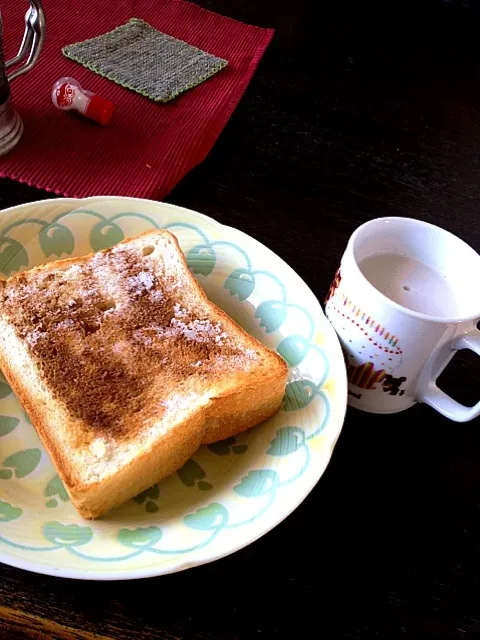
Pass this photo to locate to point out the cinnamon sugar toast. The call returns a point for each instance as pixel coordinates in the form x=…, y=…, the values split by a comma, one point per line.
x=125, y=367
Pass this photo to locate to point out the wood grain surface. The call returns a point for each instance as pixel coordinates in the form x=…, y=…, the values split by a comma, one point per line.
x=357, y=111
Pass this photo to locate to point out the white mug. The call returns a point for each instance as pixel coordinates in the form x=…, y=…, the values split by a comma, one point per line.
x=405, y=298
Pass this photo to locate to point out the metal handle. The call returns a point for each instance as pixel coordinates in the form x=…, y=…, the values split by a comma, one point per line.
x=32, y=43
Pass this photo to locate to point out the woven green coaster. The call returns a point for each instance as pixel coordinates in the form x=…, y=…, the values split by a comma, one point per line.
x=140, y=58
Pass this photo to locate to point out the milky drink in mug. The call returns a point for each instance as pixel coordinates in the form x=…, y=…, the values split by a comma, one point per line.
x=406, y=297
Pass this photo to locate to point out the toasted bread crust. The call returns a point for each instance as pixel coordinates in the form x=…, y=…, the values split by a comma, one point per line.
x=37, y=417
x=127, y=354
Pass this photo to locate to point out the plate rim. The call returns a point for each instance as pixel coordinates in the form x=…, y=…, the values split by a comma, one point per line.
x=210, y=555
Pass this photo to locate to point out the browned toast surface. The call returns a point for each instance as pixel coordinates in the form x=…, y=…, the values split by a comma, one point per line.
x=127, y=349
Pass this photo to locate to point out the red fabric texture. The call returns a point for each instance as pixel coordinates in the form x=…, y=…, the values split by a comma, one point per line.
x=147, y=148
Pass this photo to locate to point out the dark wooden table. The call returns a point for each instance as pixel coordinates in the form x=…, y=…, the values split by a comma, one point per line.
x=355, y=113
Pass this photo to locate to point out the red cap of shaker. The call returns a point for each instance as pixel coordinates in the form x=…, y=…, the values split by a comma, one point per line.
x=100, y=110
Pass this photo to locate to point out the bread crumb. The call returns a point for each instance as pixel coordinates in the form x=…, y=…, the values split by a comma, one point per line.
x=179, y=311
x=142, y=336
x=65, y=324
x=34, y=336
x=176, y=402
x=98, y=448
x=143, y=281
x=122, y=347
x=199, y=330
x=156, y=296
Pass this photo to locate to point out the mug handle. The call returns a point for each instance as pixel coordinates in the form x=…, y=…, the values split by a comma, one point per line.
x=436, y=398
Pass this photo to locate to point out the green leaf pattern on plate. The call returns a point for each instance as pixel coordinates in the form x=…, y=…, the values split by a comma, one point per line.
x=287, y=440
x=105, y=234
x=240, y=283
x=140, y=538
x=55, y=239
x=215, y=516
x=258, y=482
x=293, y=349
x=22, y=463
x=12, y=256
x=67, y=535
x=272, y=315
x=149, y=497
x=4, y=387
x=152, y=492
x=7, y=425
x=225, y=447
x=55, y=491
x=7, y=512
x=192, y=474
x=201, y=259
x=298, y=394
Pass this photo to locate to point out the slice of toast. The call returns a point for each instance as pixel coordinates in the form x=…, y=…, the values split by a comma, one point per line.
x=125, y=367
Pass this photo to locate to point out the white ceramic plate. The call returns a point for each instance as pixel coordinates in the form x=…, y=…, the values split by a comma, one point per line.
x=230, y=493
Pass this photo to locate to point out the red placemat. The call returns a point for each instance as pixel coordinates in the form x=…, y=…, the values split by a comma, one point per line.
x=147, y=148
